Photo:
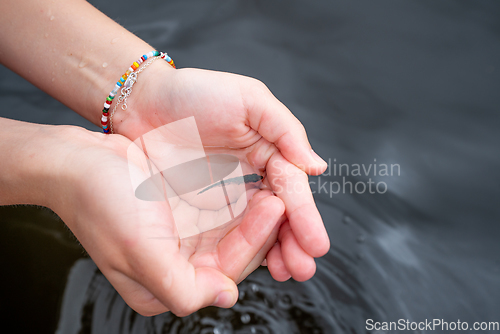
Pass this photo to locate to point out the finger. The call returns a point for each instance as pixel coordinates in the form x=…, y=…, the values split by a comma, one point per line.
x=273, y=121
x=298, y=263
x=260, y=257
x=158, y=265
x=184, y=289
x=257, y=196
x=276, y=265
x=291, y=185
x=241, y=245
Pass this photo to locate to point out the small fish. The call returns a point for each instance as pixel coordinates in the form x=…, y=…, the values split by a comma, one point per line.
x=250, y=178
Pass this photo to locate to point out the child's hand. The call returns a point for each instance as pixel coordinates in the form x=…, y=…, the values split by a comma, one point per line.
x=131, y=240
x=241, y=113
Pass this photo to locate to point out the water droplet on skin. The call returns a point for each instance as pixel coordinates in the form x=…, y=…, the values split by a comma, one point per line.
x=46, y=35
x=104, y=64
x=245, y=318
x=66, y=72
x=53, y=73
x=114, y=40
x=29, y=71
x=52, y=18
x=82, y=64
x=53, y=79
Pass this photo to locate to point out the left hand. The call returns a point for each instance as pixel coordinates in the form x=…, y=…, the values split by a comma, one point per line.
x=241, y=113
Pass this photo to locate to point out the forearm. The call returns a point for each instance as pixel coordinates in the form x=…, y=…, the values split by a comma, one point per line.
x=67, y=48
x=24, y=163
x=35, y=162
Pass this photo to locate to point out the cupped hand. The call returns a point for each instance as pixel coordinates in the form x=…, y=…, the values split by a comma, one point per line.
x=241, y=113
x=134, y=243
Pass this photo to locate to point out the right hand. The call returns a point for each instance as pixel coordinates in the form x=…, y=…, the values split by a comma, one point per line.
x=95, y=199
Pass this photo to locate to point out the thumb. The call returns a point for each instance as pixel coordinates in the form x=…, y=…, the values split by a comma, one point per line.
x=185, y=289
x=273, y=121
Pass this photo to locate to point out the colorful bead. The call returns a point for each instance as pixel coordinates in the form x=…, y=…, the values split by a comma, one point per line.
x=105, y=121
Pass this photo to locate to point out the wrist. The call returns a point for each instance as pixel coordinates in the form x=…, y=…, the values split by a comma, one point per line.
x=106, y=77
x=141, y=104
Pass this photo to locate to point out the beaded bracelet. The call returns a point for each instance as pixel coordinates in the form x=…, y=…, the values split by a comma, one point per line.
x=105, y=122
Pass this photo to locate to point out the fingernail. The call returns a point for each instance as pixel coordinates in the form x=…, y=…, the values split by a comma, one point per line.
x=317, y=157
x=224, y=299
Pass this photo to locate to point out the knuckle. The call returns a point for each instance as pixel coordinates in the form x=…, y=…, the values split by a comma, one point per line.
x=301, y=126
x=259, y=86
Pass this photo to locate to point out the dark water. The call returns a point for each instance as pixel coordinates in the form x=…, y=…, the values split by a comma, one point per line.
x=410, y=83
